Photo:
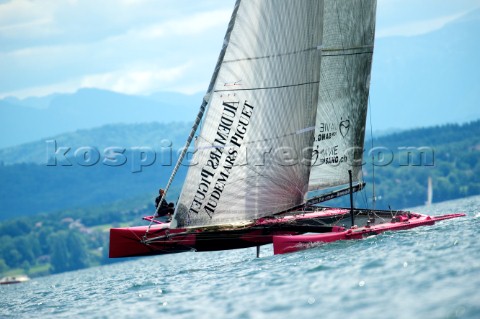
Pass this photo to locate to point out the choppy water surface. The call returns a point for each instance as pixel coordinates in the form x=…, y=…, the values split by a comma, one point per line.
x=427, y=272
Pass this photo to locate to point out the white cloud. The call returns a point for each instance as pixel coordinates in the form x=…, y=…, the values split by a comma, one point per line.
x=68, y=86
x=140, y=46
x=180, y=29
x=21, y=11
x=26, y=19
x=135, y=81
x=86, y=20
x=24, y=25
x=134, y=47
x=418, y=27
x=186, y=26
x=194, y=24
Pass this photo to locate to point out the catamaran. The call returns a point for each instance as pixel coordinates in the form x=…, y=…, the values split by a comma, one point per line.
x=283, y=118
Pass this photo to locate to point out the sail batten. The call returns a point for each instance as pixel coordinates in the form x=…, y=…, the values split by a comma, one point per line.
x=271, y=56
x=267, y=88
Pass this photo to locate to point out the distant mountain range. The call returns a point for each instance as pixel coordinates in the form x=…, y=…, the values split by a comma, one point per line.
x=30, y=119
x=417, y=81
x=156, y=136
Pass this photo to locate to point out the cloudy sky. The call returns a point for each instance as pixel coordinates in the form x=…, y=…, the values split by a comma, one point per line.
x=147, y=46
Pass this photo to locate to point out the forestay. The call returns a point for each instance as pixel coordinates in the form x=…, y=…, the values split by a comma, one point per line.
x=347, y=48
x=254, y=146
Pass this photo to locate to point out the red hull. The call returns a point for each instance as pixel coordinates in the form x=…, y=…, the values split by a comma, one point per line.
x=288, y=244
x=131, y=241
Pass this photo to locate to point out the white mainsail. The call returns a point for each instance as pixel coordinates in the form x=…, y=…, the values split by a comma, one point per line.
x=347, y=49
x=258, y=129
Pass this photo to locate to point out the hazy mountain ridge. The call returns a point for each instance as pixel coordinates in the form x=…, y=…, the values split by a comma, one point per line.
x=29, y=189
x=29, y=119
x=431, y=136
x=156, y=136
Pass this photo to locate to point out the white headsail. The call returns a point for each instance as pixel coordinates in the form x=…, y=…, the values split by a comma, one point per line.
x=347, y=49
x=261, y=112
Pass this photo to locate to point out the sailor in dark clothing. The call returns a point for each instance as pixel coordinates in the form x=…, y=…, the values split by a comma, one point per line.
x=165, y=209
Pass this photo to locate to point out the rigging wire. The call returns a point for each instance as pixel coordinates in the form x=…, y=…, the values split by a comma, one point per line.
x=374, y=199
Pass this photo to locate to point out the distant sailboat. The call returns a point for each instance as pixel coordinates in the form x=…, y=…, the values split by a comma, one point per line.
x=284, y=115
x=429, y=192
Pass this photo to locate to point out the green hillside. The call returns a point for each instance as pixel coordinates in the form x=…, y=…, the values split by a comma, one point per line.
x=29, y=189
x=63, y=241
x=153, y=135
x=38, y=177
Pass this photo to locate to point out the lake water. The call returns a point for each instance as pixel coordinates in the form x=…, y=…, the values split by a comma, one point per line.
x=426, y=272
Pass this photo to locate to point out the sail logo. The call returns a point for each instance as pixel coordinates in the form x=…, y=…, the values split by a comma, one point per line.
x=327, y=127
x=344, y=127
x=328, y=155
x=326, y=136
x=221, y=159
x=326, y=131
x=236, y=83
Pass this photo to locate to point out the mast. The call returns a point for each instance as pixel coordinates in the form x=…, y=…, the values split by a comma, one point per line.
x=352, y=215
